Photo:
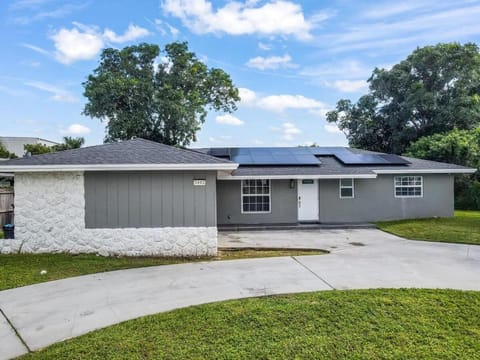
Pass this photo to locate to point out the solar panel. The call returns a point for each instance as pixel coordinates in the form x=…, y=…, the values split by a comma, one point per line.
x=273, y=156
x=221, y=152
x=394, y=159
x=348, y=157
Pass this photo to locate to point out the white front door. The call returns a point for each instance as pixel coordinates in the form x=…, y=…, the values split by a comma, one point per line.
x=307, y=200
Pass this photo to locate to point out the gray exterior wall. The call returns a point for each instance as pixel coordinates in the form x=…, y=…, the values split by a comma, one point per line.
x=375, y=200
x=283, y=204
x=149, y=199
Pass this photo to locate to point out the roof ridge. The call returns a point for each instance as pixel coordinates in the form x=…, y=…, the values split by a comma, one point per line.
x=133, y=151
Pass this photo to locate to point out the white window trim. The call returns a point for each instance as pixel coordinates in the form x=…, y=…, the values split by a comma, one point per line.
x=340, y=187
x=407, y=196
x=269, y=198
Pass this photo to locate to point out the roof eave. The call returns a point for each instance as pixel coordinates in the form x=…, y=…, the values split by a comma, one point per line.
x=295, y=177
x=425, y=171
x=116, y=167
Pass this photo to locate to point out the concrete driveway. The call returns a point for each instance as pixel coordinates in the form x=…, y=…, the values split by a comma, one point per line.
x=332, y=240
x=42, y=314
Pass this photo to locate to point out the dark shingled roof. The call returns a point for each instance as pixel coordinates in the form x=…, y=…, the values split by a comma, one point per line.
x=330, y=165
x=135, y=151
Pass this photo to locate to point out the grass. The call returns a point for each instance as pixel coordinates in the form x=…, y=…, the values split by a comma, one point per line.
x=464, y=228
x=359, y=324
x=24, y=269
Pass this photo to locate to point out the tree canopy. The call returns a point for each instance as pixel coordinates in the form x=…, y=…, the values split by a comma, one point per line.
x=434, y=90
x=460, y=147
x=5, y=154
x=167, y=102
x=68, y=144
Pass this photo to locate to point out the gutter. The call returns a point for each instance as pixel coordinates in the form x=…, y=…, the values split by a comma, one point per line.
x=426, y=171
x=280, y=177
x=115, y=167
x=227, y=176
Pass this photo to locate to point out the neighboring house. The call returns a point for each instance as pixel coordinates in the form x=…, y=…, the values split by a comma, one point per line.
x=139, y=197
x=16, y=144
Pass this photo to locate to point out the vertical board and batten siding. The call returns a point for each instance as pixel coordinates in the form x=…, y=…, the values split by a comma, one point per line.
x=149, y=199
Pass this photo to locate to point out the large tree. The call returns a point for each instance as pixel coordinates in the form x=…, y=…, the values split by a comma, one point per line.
x=434, y=90
x=167, y=102
x=460, y=147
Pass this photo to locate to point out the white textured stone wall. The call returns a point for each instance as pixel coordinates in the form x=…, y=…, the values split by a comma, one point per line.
x=50, y=217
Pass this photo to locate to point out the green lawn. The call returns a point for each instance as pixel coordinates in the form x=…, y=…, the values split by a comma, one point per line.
x=24, y=269
x=463, y=228
x=359, y=324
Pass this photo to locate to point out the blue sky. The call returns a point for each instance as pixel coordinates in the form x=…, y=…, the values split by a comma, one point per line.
x=292, y=60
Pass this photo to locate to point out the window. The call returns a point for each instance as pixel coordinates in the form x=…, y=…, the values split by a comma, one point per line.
x=255, y=196
x=346, y=189
x=408, y=186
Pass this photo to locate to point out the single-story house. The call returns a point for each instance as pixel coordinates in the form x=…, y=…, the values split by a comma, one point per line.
x=140, y=197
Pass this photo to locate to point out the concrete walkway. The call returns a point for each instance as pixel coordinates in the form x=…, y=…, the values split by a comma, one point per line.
x=35, y=316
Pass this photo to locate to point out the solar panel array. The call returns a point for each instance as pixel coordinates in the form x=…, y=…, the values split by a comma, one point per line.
x=273, y=156
x=303, y=156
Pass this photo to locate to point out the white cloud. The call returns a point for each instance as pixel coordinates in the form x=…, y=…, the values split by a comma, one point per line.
x=133, y=32
x=348, y=86
x=36, y=49
x=76, y=129
x=161, y=25
x=173, y=30
x=58, y=94
x=289, y=131
x=280, y=103
x=264, y=46
x=277, y=17
x=333, y=129
x=228, y=119
x=247, y=96
x=74, y=44
x=272, y=62
x=84, y=42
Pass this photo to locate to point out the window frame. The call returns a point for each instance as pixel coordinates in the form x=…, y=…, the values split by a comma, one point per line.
x=341, y=187
x=242, y=195
x=395, y=186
